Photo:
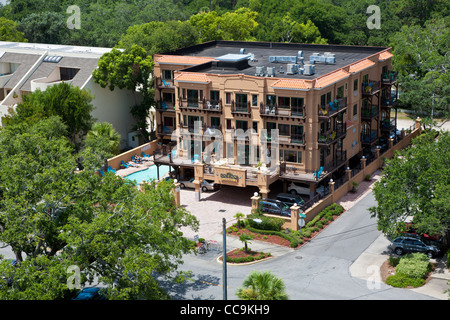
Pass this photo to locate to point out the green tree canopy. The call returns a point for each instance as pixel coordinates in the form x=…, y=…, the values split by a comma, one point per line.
x=71, y=103
x=10, y=32
x=416, y=185
x=53, y=217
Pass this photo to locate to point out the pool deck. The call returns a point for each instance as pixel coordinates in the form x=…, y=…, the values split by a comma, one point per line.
x=139, y=167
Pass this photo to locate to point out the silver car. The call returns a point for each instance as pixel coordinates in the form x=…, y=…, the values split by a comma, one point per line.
x=205, y=185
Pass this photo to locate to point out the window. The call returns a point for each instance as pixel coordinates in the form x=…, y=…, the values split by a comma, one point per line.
x=355, y=85
x=214, y=96
x=340, y=92
x=228, y=123
x=241, y=102
x=355, y=109
x=168, y=97
x=271, y=100
x=192, y=98
x=325, y=98
x=296, y=134
x=240, y=124
x=297, y=106
x=365, y=79
x=290, y=155
x=254, y=100
x=167, y=74
x=255, y=126
x=284, y=129
x=269, y=127
x=284, y=102
x=215, y=122
x=228, y=98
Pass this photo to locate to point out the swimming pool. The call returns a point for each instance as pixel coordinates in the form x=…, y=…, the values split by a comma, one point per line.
x=151, y=173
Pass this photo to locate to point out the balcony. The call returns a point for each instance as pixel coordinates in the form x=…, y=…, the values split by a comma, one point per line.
x=240, y=108
x=369, y=137
x=43, y=83
x=212, y=105
x=327, y=138
x=388, y=102
x=192, y=104
x=368, y=112
x=286, y=111
x=389, y=78
x=165, y=130
x=370, y=88
x=338, y=160
x=162, y=83
x=162, y=106
x=332, y=108
x=387, y=124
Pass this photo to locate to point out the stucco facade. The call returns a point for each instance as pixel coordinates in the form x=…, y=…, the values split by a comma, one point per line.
x=323, y=119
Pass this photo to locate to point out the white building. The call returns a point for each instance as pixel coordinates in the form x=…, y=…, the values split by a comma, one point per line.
x=26, y=67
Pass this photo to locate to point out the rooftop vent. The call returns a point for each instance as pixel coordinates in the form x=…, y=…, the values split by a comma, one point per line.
x=327, y=57
x=288, y=59
x=259, y=71
x=242, y=51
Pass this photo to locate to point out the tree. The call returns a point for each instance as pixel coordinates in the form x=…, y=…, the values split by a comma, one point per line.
x=262, y=286
x=422, y=60
x=9, y=32
x=245, y=238
x=71, y=103
x=104, y=131
x=45, y=27
x=416, y=184
x=54, y=217
x=130, y=69
x=237, y=25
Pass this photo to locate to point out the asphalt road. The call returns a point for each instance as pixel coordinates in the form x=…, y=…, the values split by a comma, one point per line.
x=317, y=271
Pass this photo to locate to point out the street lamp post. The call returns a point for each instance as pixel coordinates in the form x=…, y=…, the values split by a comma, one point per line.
x=224, y=258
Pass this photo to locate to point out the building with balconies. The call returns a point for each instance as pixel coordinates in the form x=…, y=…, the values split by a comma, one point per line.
x=328, y=103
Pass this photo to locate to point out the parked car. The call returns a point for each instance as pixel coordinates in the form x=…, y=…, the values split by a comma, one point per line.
x=302, y=188
x=90, y=293
x=205, y=185
x=275, y=207
x=402, y=245
x=290, y=199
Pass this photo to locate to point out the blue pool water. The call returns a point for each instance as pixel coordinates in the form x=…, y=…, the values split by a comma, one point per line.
x=148, y=174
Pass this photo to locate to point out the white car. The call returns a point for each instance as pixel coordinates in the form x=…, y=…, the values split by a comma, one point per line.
x=206, y=185
x=302, y=188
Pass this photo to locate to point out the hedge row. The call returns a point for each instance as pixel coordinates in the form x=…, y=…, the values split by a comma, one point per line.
x=262, y=255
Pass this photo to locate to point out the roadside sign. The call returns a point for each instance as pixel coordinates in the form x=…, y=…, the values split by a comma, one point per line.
x=301, y=223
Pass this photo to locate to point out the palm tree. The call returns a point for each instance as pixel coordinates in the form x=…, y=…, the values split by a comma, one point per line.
x=106, y=130
x=262, y=286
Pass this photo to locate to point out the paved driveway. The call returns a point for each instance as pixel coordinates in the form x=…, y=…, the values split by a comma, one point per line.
x=214, y=206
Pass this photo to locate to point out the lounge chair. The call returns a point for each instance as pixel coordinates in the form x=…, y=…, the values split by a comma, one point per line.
x=144, y=155
x=126, y=165
x=111, y=169
x=135, y=160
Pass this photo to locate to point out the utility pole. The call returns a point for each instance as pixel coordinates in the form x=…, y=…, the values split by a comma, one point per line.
x=224, y=259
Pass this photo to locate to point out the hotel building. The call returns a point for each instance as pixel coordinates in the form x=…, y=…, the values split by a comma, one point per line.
x=330, y=104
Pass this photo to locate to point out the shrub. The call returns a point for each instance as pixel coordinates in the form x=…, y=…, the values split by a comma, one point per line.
x=394, y=261
x=402, y=281
x=268, y=223
x=414, y=265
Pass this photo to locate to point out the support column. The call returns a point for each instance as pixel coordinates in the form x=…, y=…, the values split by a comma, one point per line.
x=176, y=192
x=348, y=172
x=294, y=217
x=331, y=186
x=255, y=202
x=363, y=163
x=198, y=179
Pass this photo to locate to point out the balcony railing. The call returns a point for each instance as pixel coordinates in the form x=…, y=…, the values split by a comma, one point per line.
x=369, y=137
x=326, y=138
x=164, y=106
x=212, y=105
x=275, y=111
x=389, y=78
x=165, y=129
x=162, y=83
x=387, y=124
x=371, y=87
x=388, y=102
x=332, y=108
x=238, y=107
x=188, y=103
x=338, y=160
x=370, y=111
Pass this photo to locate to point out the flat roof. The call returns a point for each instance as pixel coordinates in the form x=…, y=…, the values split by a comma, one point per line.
x=277, y=55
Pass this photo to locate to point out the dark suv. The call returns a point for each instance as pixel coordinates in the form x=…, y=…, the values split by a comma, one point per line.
x=275, y=207
x=401, y=245
x=290, y=199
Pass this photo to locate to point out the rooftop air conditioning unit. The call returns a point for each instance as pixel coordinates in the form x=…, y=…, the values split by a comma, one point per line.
x=309, y=69
x=242, y=51
x=292, y=68
x=271, y=71
x=259, y=71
